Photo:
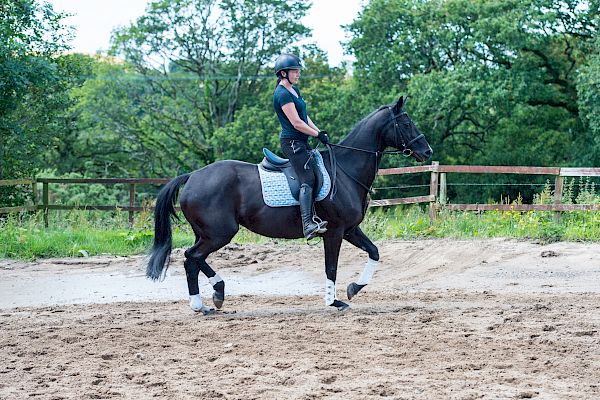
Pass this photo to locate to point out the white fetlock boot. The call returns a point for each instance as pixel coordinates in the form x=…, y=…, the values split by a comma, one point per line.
x=197, y=305
x=329, y=292
x=330, y=298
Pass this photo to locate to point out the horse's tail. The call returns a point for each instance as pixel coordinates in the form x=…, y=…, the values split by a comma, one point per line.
x=165, y=208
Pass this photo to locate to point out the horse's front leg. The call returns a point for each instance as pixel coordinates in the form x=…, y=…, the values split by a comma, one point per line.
x=360, y=240
x=332, y=243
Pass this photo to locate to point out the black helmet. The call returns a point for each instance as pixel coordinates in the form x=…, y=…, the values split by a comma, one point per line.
x=287, y=61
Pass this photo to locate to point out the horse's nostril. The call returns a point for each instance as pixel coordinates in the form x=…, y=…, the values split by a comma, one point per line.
x=428, y=153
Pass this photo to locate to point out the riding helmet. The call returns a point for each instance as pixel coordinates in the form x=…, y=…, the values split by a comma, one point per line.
x=287, y=61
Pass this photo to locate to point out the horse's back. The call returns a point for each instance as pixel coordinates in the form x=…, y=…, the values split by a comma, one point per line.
x=218, y=183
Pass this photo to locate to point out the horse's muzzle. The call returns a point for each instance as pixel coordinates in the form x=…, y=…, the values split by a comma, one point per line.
x=422, y=157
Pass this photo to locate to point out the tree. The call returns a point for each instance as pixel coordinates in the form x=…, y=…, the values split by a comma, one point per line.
x=588, y=89
x=199, y=63
x=31, y=34
x=118, y=129
x=31, y=87
x=480, y=68
x=492, y=82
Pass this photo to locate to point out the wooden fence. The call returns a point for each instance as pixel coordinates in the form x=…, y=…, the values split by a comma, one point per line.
x=45, y=205
x=436, y=197
x=438, y=188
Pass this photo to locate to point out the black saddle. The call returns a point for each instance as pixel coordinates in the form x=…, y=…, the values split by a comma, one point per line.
x=272, y=162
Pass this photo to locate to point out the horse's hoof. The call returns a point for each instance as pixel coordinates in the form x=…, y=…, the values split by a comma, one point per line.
x=218, y=299
x=340, y=305
x=208, y=311
x=204, y=310
x=353, y=290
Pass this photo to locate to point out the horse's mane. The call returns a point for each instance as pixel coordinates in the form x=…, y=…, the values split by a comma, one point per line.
x=363, y=121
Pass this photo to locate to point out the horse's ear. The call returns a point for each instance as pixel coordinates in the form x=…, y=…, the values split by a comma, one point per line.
x=399, y=104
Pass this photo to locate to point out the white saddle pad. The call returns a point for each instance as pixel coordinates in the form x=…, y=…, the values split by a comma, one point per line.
x=276, y=191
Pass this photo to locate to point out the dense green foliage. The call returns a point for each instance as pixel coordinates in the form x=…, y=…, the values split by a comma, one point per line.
x=588, y=91
x=212, y=56
x=511, y=82
x=492, y=82
x=490, y=76
x=32, y=85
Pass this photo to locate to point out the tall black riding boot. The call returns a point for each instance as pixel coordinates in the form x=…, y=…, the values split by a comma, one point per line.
x=309, y=226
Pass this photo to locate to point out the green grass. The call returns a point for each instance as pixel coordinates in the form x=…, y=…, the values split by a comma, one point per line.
x=87, y=233
x=413, y=222
x=84, y=233
x=78, y=234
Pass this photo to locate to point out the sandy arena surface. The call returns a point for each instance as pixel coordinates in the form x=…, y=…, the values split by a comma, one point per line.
x=442, y=319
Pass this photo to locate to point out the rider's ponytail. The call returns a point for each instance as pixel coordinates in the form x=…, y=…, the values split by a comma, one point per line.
x=278, y=80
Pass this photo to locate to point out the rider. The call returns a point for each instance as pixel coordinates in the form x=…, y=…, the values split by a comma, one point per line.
x=296, y=127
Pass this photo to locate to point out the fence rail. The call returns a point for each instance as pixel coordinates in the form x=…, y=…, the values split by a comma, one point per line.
x=15, y=182
x=438, y=187
x=436, y=197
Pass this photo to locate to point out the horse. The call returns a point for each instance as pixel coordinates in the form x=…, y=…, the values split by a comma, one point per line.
x=221, y=196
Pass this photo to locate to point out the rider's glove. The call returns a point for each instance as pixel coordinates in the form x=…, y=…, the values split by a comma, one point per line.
x=323, y=137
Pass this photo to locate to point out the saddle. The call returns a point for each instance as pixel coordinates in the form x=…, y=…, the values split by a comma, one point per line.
x=272, y=163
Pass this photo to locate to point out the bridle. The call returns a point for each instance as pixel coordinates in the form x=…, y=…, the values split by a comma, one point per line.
x=406, y=150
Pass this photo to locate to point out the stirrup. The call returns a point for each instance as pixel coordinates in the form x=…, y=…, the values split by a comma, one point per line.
x=321, y=225
x=312, y=234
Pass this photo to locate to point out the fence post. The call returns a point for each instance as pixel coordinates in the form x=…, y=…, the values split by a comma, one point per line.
x=131, y=202
x=443, y=188
x=558, y=193
x=45, y=196
x=34, y=193
x=433, y=190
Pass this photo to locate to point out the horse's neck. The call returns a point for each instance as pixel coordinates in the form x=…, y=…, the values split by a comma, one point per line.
x=362, y=165
x=364, y=136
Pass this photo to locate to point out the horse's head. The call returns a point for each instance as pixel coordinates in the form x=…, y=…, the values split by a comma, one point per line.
x=400, y=132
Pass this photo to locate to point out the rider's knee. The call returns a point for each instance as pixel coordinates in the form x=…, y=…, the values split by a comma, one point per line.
x=310, y=181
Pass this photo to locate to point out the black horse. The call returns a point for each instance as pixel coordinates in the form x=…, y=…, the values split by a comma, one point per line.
x=220, y=197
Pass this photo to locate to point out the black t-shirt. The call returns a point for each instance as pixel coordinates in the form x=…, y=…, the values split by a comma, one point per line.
x=281, y=97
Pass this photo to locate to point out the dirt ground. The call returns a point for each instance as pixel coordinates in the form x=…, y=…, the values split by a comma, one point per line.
x=490, y=319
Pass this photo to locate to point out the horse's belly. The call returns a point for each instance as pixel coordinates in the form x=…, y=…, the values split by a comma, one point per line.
x=275, y=222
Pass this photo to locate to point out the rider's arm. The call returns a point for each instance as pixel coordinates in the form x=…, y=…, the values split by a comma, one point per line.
x=312, y=124
x=290, y=112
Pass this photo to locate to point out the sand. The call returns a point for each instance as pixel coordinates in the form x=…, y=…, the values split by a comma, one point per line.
x=491, y=319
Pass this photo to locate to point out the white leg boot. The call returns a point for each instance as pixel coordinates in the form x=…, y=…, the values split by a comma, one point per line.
x=197, y=305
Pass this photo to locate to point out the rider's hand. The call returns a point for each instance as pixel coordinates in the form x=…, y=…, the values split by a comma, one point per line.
x=323, y=137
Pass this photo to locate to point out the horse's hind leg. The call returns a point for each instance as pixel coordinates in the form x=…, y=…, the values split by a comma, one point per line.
x=196, y=261
x=360, y=240
x=192, y=269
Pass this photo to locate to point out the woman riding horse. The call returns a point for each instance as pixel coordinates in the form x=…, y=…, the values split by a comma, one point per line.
x=220, y=197
x=296, y=127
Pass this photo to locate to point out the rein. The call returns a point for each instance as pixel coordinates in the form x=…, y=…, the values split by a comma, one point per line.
x=334, y=164
x=406, y=151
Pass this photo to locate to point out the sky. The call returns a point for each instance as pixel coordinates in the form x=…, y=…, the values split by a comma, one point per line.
x=95, y=19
